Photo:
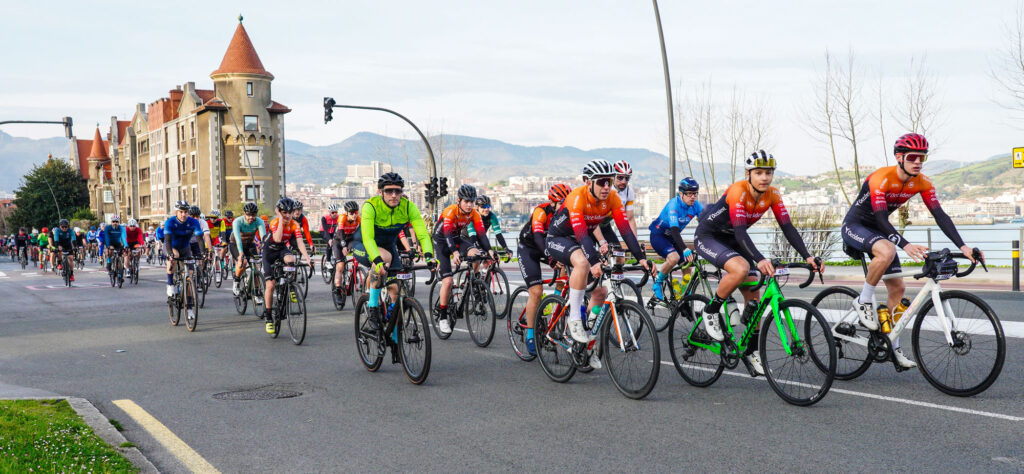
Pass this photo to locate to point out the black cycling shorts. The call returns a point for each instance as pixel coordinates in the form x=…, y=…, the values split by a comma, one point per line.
x=184, y=253
x=271, y=254
x=359, y=251
x=529, y=265
x=719, y=248
x=862, y=237
x=248, y=249
x=338, y=244
x=562, y=248
x=444, y=255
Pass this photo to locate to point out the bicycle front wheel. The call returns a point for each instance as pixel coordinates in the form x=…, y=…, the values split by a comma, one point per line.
x=975, y=359
x=788, y=362
x=295, y=308
x=367, y=338
x=516, y=323
x=631, y=355
x=554, y=358
x=414, y=338
x=479, y=313
x=174, y=305
x=434, y=300
x=497, y=283
x=326, y=269
x=836, y=304
x=190, y=303
x=688, y=344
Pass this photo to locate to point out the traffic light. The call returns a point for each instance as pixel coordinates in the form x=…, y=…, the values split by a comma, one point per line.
x=444, y=186
x=67, y=127
x=328, y=109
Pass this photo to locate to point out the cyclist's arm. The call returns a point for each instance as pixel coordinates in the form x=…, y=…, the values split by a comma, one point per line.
x=880, y=210
x=420, y=229
x=124, y=236
x=236, y=233
x=788, y=229
x=481, y=234
x=538, y=223
x=675, y=231
x=945, y=223
x=261, y=229
x=619, y=214
x=496, y=227
x=367, y=229
x=305, y=229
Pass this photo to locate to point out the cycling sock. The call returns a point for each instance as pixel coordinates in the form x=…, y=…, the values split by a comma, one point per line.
x=170, y=278
x=715, y=305
x=660, y=278
x=867, y=293
x=575, y=301
x=374, y=298
x=529, y=333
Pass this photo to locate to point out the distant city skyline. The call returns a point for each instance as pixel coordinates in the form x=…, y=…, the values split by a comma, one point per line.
x=529, y=73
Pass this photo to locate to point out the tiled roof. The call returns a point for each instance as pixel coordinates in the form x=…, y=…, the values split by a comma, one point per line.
x=278, y=107
x=99, y=149
x=83, y=153
x=122, y=125
x=212, y=104
x=205, y=94
x=241, y=56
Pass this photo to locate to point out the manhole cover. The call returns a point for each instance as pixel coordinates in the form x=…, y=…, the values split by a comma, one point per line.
x=256, y=394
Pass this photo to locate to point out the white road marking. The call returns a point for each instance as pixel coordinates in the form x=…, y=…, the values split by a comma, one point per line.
x=931, y=323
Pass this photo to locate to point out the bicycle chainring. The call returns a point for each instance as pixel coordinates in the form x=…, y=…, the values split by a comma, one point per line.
x=879, y=347
x=730, y=354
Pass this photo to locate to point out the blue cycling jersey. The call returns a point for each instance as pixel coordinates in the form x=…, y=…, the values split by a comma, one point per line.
x=180, y=233
x=675, y=214
x=90, y=236
x=112, y=234
x=160, y=234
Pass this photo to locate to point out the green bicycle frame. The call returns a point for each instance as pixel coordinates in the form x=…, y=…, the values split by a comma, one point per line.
x=772, y=297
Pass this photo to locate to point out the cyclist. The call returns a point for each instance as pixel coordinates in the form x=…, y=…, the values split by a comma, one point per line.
x=213, y=222
x=490, y=220
x=346, y=230
x=623, y=174
x=382, y=217
x=226, y=232
x=281, y=234
x=43, y=241
x=667, y=228
x=866, y=227
x=21, y=242
x=722, y=239
x=303, y=223
x=91, y=239
x=179, y=232
x=114, y=238
x=243, y=247
x=64, y=241
x=570, y=242
x=449, y=225
x=200, y=245
x=328, y=224
x=134, y=238
x=531, y=255
x=80, y=243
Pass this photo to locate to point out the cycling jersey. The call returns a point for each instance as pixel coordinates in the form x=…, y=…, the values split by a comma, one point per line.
x=883, y=192
x=737, y=210
x=178, y=234
x=380, y=225
x=90, y=236
x=583, y=212
x=329, y=224
x=21, y=240
x=666, y=228
x=43, y=240
x=63, y=239
x=452, y=221
x=289, y=231
x=628, y=197
x=198, y=238
x=114, y=236
x=533, y=232
x=490, y=222
x=214, y=226
x=160, y=233
x=243, y=233
x=347, y=226
x=133, y=236
x=304, y=226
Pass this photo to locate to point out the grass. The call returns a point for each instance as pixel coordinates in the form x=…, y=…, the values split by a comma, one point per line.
x=48, y=436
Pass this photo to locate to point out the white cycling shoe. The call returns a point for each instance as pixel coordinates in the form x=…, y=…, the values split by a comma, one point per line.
x=713, y=327
x=595, y=361
x=903, y=360
x=576, y=330
x=866, y=313
x=170, y=291
x=753, y=363
x=444, y=326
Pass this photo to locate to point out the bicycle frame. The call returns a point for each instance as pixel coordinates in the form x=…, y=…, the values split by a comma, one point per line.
x=931, y=288
x=769, y=302
x=609, y=309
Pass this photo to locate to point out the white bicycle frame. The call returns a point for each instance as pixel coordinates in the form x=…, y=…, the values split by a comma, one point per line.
x=613, y=298
x=931, y=288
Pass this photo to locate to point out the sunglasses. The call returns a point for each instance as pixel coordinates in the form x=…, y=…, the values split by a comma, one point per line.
x=603, y=182
x=689, y=193
x=334, y=212
x=485, y=208
x=916, y=157
x=394, y=191
x=623, y=178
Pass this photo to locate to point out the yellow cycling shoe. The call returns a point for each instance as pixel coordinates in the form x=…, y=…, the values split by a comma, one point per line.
x=271, y=329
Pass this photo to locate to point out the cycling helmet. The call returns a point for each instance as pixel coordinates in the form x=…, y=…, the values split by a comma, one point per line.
x=911, y=142
x=92, y=227
x=194, y=211
x=250, y=208
x=393, y=179
x=467, y=192
x=63, y=223
x=78, y=230
x=759, y=159
x=298, y=205
x=116, y=219
x=597, y=168
x=332, y=207
x=214, y=213
x=558, y=192
x=483, y=201
x=286, y=204
x=181, y=205
x=351, y=206
x=688, y=184
x=45, y=230
x=133, y=223
x=229, y=214
x=621, y=167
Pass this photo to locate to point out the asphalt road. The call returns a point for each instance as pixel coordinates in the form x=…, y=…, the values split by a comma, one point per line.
x=480, y=409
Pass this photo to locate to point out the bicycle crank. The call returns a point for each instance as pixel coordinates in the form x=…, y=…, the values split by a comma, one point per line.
x=730, y=357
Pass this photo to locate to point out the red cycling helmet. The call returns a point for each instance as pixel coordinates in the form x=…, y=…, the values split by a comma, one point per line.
x=558, y=192
x=911, y=142
x=621, y=167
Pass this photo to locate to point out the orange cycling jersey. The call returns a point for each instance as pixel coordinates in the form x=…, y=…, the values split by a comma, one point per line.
x=287, y=234
x=883, y=190
x=737, y=207
x=533, y=233
x=583, y=212
x=451, y=222
x=347, y=226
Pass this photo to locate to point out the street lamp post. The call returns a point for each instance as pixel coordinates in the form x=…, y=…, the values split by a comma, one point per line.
x=66, y=122
x=668, y=98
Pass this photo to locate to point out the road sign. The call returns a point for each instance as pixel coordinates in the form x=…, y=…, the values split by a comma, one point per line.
x=1018, y=157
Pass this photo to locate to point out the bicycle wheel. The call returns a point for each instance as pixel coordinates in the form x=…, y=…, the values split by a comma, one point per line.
x=634, y=364
x=794, y=376
x=135, y=271
x=631, y=292
x=174, y=306
x=190, y=300
x=554, y=358
x=836, y=304
x=337, y=297
x=296, y=311
x=976, y=358
x=479, y=313
x=697, y=365
x=411, y=284
x=326, y=273
x=516, y=323
x=414, y=339
x=256, y=292
x=661, y=310
x=66, y=273
x=218, y=271
x=435, y=298
x=497, y=283
x=367, y=342
x=241, y=299
x=201, y=288
x=359, y=278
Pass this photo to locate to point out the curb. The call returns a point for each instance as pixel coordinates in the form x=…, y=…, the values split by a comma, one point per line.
x=106, y=431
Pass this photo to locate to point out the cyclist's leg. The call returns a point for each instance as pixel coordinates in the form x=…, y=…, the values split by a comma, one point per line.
x=444, y=272
x=570, y=253
x=170, y=268
x=270, y=255
x=338, y=254
x=529, y=266
x=664, y=248
x=395, y=264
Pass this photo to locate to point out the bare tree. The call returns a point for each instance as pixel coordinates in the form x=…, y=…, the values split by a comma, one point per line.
x=846, y=89
x=1008, y=72
x=682, y=124
x=919, y=111
x=821, y=118
x=737, y=131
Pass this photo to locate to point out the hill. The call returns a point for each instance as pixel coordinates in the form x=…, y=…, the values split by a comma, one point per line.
x=18, y=155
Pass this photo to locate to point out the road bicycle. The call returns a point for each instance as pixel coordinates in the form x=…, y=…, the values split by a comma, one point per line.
x=470, y=298
x=23, y=257
x=116, y=271
x=353, y=283
x=957, y=338
x=251, y=287
x=497, y=283
x=404, y=329
x=221, y=266
x=698, y=281
x=65, y=268
x=327, y=266
x=516, y=318
x=133, y=266
x=800, y=367
x=288, y=302
x=185, y=294
x=622, y=339
x=620, y=284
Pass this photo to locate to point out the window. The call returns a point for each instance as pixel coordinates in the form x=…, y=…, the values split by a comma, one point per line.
x=143, y=174
x=145, y=202
x=167, y=142
x=248, y=89
x=194, y=165
x=252, y=193
x=195, y=195
x=181, y=137
x=108, y=196
x=252, y=123
x=253, y=159
x=192, y=125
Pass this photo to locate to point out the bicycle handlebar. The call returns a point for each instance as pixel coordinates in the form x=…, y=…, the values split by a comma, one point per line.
x=932, y=258
x=780, y=264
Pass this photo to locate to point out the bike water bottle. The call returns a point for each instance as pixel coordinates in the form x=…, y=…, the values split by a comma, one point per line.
x=900, y=309
x=677, y=286
x=883, y=319
x=748, y=311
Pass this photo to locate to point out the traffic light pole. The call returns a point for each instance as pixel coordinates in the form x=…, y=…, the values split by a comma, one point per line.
x=66, y=122
x=330, y=104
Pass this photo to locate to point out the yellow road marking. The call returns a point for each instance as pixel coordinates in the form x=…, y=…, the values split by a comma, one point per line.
x=172, y=442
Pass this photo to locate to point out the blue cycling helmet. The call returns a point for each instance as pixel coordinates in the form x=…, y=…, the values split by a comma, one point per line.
x=92, y=227
x=688, y=184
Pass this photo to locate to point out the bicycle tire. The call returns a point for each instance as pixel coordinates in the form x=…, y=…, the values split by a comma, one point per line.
x=67, y=277
x=435, y=296
x=515, y=322
x=698, y=366
x=361, y=275
x=808, y=390
x=325, y=273
x=631, y=292
x=852, y=359
x=646, y=355
x=554, y=359
x=258, y=285
x=366, y=337
x=414, y=338
x=296, y=311
x=497, y=284
x=661, y=311
x=200, y=288
x=966, y=335
x=218, y=271
x=479, y=320
x=241, y=300
x=190, y=291
x=411, y=284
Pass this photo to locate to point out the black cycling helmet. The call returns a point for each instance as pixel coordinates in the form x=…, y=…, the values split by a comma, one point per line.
x=229, y=214
x=483, y=201
x=688, y=184
x=390, y=179
x=467, y=192
x=194, y=211
x=351, y=206
x=286, y=204
x=250, y=209
x=63, y=223
x=181, y=205
x=298, y=205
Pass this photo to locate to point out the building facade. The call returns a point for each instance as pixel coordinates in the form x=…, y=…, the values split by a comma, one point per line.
x=215, y=148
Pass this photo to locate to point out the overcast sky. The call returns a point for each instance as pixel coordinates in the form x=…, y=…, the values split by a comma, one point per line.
x=572, y=73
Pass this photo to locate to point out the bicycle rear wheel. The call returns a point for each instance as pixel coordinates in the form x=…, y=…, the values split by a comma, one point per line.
x=836, y=304
x=326, y=269
x=296, y=311
x=302, y=282
x=633, y=364
x=794, y=376
x=497, y=283
x=414, y=340
x=367, y=338
x=554, y=358
x=360, y=277
x=516, y=323
x=174, y=304
x=976, y=358
x=435, y=298
x=190, y=300
x=480, y=313
x=256, y=293
x=218, y=271
x=697, y=365
x=661, y=310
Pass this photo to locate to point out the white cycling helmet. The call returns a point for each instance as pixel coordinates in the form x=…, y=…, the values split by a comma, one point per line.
x=759, y=159
x=132, y=222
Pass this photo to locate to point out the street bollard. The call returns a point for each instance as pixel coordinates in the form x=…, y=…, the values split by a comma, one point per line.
x=1015, y=254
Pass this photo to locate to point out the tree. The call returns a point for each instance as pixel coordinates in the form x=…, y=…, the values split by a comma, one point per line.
x=36, y=207
x=1008, y=72
x=821, y=118
x=919, y=112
